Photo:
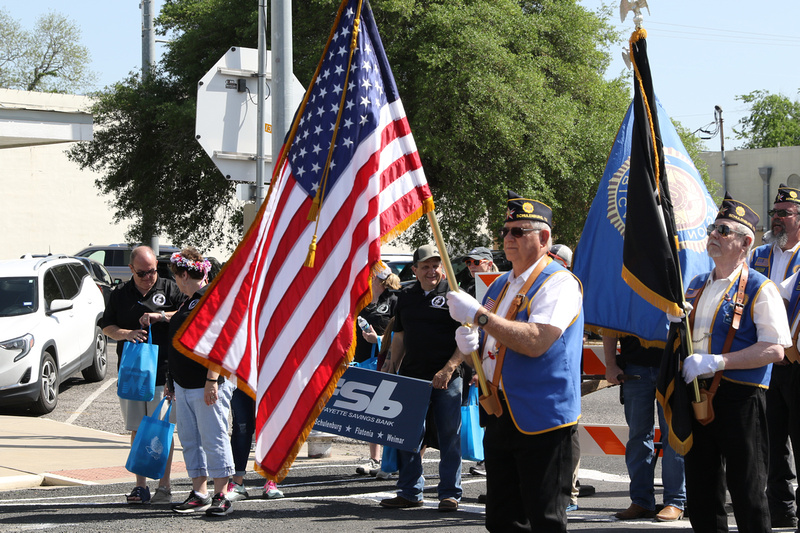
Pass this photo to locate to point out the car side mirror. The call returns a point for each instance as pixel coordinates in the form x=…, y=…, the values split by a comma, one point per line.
x=59, y=305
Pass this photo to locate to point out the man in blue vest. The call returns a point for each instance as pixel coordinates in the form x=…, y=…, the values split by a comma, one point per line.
x=739, y=328
x=778, y=260
x=530, y=342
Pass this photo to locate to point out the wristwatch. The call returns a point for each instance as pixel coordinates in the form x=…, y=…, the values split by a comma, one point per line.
x=163, y=316
x=482, y=320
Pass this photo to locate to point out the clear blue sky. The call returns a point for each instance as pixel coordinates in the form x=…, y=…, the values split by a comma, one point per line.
x=706, y=52
x=702, y=52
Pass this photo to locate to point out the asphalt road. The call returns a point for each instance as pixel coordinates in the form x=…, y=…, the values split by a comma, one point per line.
x=325, y=496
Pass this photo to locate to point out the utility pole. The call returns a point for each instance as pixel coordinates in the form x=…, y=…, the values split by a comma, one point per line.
x=261, y=179
x=148, y=38
x=282, y=75
x=148, y=59
x=718, y=117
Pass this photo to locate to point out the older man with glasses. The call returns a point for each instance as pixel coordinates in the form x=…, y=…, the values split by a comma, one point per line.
x=531, y=345
x=144, y=299
x=779, y=260
x=739, y=329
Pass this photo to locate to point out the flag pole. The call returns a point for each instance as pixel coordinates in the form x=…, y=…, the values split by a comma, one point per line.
x=638, y=19
x=451, y=281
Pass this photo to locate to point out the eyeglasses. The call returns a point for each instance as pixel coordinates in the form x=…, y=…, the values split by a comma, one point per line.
x=474, y=262
x=722, y=229
x=145, y=273
x=515, y=232
x=782, y=213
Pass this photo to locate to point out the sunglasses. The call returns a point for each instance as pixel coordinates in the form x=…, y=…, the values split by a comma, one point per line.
x=722, y=229
x=515, y=232
x=474, y=262
x=145, y=273
x=782, y=213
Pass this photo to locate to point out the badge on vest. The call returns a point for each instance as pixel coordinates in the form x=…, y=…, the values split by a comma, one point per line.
x=438, y=302
x=159, y=299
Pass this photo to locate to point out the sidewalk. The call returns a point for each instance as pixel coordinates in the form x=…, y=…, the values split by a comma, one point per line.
x=38, y=452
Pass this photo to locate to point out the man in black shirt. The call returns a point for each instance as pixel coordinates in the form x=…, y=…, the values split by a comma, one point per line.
x=144, y=293
x=424, y=347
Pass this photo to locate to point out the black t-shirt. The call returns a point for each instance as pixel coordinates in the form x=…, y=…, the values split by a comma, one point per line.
x=126, y=305
x=631, y=352
x=428, y=330
x=378, y=315
x=183, y=370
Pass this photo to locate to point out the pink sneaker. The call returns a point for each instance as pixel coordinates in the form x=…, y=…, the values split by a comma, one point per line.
x=271, y=491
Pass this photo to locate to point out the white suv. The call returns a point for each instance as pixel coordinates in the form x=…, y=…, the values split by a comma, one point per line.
x=49, y=313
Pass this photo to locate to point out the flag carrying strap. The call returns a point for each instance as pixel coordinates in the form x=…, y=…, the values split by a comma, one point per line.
x=520, y=300
x=738, y=308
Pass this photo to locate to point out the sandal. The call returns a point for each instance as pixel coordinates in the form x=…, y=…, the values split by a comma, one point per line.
x=139, y=495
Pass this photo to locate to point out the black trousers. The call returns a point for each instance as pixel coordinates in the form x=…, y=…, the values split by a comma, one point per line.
x=529, y=477
x=733, y=449
x=783, y=411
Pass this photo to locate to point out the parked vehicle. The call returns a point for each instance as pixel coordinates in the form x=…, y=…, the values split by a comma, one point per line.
x=100, y=275
x=49, y=312
x=117, y=257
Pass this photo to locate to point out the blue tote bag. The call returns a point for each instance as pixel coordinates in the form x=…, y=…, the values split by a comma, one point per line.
x=136, y=379
x=471, y=430
x=150, y=449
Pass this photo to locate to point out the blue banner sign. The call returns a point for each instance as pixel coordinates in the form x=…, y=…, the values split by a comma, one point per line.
x=377, y=407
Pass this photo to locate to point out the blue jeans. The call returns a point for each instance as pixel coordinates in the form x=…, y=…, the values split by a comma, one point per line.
x=639, y=458
x=203, y=430
x=243, y=408
x=446, y=406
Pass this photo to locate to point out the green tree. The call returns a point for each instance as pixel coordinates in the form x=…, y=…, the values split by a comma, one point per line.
x=774, y=120
x=49, y=58
x=499, y=94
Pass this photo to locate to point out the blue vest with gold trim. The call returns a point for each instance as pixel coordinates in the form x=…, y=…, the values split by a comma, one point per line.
x=762, y=258
x=746, y=335
x=543, y=393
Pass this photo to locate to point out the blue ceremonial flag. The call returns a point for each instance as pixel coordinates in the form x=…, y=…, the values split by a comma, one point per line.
x=610, y=306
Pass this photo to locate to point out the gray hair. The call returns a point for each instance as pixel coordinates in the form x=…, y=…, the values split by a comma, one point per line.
x=744, y=231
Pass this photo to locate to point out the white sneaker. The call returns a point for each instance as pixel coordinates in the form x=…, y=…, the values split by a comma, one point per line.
x=383, y=475
x=236, y=492
x=370, y=468
x=271, y=491
x=162, y=495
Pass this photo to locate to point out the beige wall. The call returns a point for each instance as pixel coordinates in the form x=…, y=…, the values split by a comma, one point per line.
x=48, y=204
x=744, y=182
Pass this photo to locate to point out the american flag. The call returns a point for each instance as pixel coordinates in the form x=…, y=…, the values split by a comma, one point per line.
x=284, y=329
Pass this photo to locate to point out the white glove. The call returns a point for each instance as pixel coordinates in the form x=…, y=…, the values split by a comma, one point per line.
x=700, y=364
x=463, y=307
x=675, y=319
x=467, y=339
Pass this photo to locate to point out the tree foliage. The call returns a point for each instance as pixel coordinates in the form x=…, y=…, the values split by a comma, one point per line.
x=48, y=58
x=500, y=94
x=774, y=120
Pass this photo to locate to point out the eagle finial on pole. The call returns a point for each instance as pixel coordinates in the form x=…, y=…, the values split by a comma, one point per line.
x=625, y=7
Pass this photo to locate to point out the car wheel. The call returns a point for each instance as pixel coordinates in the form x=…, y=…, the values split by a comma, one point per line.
x=48, y=385
x=97, y=370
